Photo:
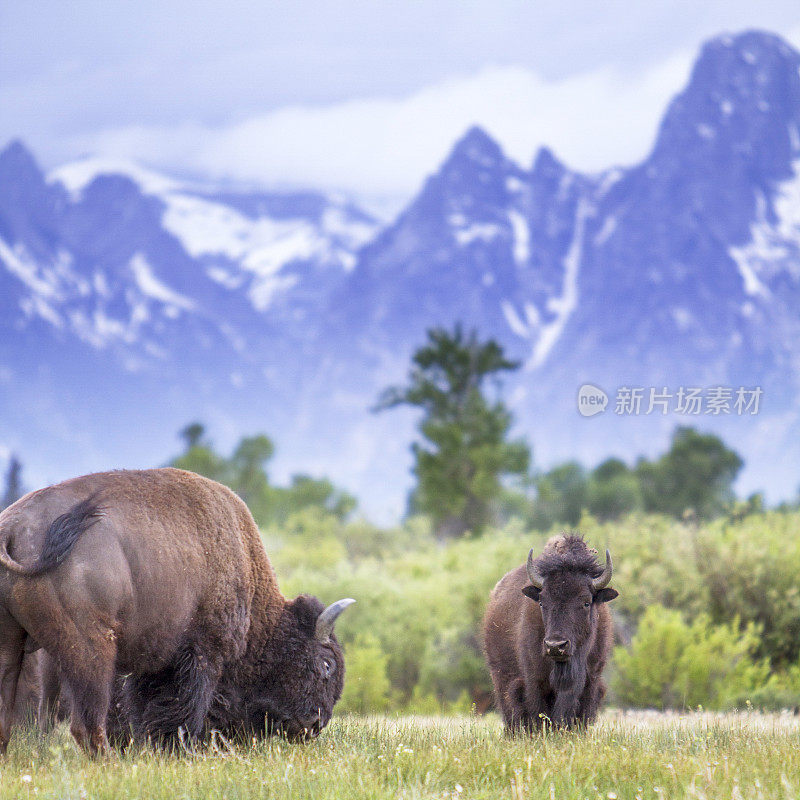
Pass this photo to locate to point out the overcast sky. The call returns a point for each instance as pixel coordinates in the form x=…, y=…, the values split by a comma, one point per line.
x=362, y=96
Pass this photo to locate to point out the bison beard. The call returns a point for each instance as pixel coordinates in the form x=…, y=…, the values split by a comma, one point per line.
x=568, y=675
x=156, y=705
x=568, y=680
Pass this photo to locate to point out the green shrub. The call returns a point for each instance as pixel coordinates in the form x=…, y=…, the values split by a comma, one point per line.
x=675, y=664
x=770, y=697
x=367, y=688
x=747, y=568
x=781, y=691
x=655, y=563
x=421, y=602
x=752, y=570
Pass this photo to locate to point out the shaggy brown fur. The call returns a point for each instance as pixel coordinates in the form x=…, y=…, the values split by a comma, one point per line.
x=530, y=686
x=159, y=576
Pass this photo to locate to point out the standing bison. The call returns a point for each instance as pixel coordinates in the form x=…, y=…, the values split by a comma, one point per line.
x=160, y=576
x=547, y=637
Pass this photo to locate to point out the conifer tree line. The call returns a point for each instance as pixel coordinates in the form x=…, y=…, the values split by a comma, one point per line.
x=471, y=472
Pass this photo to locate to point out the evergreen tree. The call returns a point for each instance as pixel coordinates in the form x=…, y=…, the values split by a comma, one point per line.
x=193, y=434
x=245, y=472
x=465, y=452
x=199, y=456
x=307, y=492
x=561, y=496
x=696, y=473
x=613, y=490
x=13, y=489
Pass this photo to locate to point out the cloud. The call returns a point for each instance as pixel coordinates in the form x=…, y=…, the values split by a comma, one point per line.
x=380, y=147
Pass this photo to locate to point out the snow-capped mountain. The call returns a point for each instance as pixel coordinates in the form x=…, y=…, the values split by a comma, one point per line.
x=289, y=312
x=622, y=264
x=252, y=241
x=486, y=242
x=131, y=302
x=684, y=225
x=126, y=259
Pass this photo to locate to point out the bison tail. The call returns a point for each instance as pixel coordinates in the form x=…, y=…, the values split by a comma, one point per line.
x=59, y=539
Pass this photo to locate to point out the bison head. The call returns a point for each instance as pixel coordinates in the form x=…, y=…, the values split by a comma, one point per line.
x=569, y=590
x=304, y=676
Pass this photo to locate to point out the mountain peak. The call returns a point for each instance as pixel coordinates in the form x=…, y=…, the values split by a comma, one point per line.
x=17, y=160
x=76, y=176
x=473, y=175
x=742, y=101
x=750, y=45
x=478, y=147
x=15, y=149
x=24, y=190
x=546, y=164
x=754, y=64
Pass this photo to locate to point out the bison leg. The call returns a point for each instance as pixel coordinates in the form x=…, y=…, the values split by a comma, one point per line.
x=28, y=688
x=91, y=695
x=177, y=697
x=50, y=699
x=86, y=671
x=521, y=710
x=512, y=704
x=590, y=700
x=12, y=651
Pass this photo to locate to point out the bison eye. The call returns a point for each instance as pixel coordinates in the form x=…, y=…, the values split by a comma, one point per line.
x=587, y=603
x=327, y=668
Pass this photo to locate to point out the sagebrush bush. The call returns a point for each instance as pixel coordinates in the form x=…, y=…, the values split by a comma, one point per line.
x=732, y=588
x=752, y=570
x=367, y=688
x=672, y=663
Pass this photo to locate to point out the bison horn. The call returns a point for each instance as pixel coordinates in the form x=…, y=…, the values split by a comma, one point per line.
x=605, y=578
x=533, y=576
x=327, y=619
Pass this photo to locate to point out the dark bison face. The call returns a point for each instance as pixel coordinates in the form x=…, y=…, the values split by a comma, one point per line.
x=569, y=601
x=306, y=669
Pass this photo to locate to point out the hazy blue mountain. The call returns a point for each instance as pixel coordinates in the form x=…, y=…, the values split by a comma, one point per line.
x=131, y=301
x=682, y=271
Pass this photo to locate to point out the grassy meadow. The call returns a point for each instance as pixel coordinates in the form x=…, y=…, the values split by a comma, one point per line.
x=630, y=755
x=707, y=632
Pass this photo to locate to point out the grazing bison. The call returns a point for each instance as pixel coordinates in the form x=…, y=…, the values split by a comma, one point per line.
x=160, y=576
x=547, y=636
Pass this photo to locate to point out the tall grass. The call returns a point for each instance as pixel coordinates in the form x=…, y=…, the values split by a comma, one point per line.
x=623, y=756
